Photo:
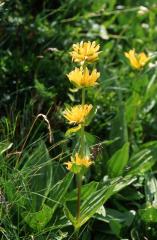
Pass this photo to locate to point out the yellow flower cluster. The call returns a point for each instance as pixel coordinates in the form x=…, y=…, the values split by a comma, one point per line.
x=82, y=52
x=78, y=161
x=82, y=77
x=137, y=61
x=77, y=114
x=85, y=51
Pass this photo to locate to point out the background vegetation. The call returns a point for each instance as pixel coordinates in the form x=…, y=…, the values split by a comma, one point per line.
x=35, y=39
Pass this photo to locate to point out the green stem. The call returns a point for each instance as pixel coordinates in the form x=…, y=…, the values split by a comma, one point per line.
x=83, y=96
x=82, y=127
x=76, y=234
x=82, y=142
x=79, y=176
x=79, y=184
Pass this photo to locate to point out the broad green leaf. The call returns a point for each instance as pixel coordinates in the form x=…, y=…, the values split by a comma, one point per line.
x=14, y=196
x=134, y=194
x=148, y=214
x=132, y=105
x=143, y=160
x=59, y=221
x=58, y=191
x=119, y=130
x=118, y=161
x=70, y=216
x=95, y=200
x=38, y=171
x=85, y=191
x=90, y=206
x=38, y=220
x=126, y=218
x=151, y=87
x=115, y=227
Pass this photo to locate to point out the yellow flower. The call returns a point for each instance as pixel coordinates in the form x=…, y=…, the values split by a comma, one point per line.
x=78, y=161
x=77, y=114
x=85, y=51
x=82, y=77
x=137, y=60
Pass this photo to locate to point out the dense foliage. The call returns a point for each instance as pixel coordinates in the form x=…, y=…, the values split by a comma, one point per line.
x=37, y=193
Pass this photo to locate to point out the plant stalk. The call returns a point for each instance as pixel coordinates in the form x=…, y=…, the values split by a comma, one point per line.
x=82, y=127
x=83, y=96
x=79, y=176
x=79, y=184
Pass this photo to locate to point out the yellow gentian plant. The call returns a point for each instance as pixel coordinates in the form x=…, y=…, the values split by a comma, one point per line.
x=83, y=53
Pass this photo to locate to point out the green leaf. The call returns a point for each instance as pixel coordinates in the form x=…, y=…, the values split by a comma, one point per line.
x=85, y=191
x=45, y=177
x=37, y=170
x=134, y=194
x=43, y=91
x=39, y=219
x=4, y=146
x=132, y=105
x=70, y=216
x=115, y=227
x=119, y=130
x=151, y=189
x=125, y=218
x=90, y=138
x=91, y=115
x=95, y=200
x=143, y=160
x=72, y=130
x=118, y=161
x=148, y=214
x=151, y=87
x=59, y=190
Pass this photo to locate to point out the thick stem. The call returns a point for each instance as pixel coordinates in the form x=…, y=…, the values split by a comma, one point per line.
x=79, y=184
x=79, y=176
x=82, y=142
x=83, y=96
x=76, y=234
x=82, y=127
